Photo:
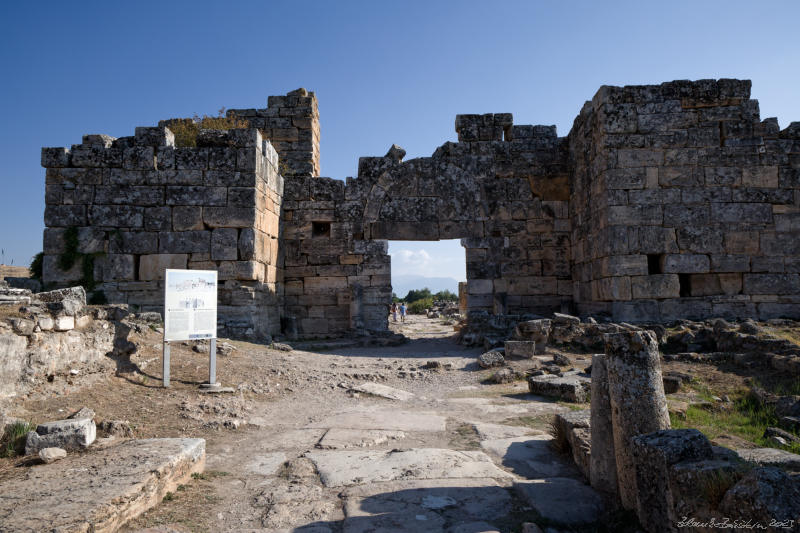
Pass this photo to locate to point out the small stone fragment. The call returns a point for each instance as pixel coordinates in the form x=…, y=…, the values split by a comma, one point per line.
x=50, y=455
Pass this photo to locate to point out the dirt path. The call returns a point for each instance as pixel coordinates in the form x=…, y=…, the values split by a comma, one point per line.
x=353, y=439
x=452, y=455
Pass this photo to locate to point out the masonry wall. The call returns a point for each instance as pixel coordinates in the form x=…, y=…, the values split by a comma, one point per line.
x=502, y=189
x=291, y=123
x=684, y=204
x=141, y=205
x=664, y=201
x=334, y=279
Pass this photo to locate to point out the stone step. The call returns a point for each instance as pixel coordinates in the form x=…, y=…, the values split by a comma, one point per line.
x=99, y=490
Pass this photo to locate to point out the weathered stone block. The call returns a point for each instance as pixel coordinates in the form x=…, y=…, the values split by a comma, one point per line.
x=152, y=267
x=652, y=240
x=679, y=176
x=191, y=158
x=622, y=265
x=187, y=218
x=480, y=286
x=571, y=388
x=52, y=273
x=118, y=216
x=139, y=158
x=685, y=263
x=760, y=176
x=64, y=323
x=741, y=212
x=741, y=242
x=196, y=195
x=116, y=267
x=612, y=288
x=65, y=215
x=55, y=157
x=701, y=239
x=680, y=215
x=180, y=242
x=71, y=434
x=523, y=349
x=655, y=286
x=771, y=283
x=231, y=217
x=243, y=270
x=247, y=244
x=224, y=244
x=154, y=136
x=653, y=455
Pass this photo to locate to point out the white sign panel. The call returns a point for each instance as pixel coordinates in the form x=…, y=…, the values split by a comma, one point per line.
x=190, y=305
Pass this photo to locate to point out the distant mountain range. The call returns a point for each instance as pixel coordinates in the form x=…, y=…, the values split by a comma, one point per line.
x=401, y=284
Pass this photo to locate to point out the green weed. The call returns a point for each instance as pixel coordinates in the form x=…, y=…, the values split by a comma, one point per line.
x=13, y=441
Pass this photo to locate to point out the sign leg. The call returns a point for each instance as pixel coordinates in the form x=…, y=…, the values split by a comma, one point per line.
x=165, y=364
x=212, y=362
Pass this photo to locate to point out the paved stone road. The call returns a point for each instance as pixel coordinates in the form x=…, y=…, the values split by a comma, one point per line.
x=413, y=455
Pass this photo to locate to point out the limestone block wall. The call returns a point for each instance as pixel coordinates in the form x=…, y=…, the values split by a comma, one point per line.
x=291, y=123
x=502, y=189
x=334, y=279
x=141, y=205
x=685, y=204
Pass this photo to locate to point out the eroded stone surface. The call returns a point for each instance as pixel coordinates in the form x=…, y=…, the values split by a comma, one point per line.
x=343, y=468
x=384, y=391
x=339, y=439
x=563, y=500
x=126, y=480
x=531, y=457
x=426, y=505
x=370, y=418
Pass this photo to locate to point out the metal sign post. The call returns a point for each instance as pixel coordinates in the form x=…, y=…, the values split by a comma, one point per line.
x=190, y=313
x=212, y=363
x=165, y=364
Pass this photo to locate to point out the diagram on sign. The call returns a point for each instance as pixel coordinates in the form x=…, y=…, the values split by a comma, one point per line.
x=190, y=305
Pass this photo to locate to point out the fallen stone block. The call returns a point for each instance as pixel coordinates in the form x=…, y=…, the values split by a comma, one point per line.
x=72, y=293
x=491, y=358
x=765, y=495
x=117, y=484
x=71, y=434
x=770, y=457
x=51, y=455
x=653, y=455
x=523, y=349
x=534, y=330
x=575, y=425
x=571, y=388
x=384, y=391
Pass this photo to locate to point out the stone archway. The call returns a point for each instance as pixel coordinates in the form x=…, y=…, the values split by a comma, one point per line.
x=478, y=190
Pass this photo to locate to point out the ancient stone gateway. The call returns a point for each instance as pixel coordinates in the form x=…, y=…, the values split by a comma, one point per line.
x=663, y=201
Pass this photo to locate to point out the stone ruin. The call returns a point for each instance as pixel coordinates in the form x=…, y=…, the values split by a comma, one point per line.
x=663, y=201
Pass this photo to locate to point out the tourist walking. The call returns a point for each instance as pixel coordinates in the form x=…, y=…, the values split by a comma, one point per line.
x=402, y=311
x=394, y=311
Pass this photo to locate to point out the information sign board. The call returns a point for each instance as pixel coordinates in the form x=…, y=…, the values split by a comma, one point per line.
x=190, y=305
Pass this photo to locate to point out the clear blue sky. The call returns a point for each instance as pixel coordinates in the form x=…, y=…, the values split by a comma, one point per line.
x=384, y=72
